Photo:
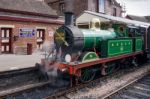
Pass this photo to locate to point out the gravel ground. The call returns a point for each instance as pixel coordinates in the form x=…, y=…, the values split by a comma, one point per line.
x=105, y=87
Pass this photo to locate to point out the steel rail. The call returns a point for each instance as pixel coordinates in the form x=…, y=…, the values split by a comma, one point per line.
x=107, y=96
x=22, y=88
x=74, y=89
x=66, y=90
x=18, y=71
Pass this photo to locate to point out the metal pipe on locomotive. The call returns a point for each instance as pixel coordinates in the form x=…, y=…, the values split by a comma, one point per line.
x=83, y=52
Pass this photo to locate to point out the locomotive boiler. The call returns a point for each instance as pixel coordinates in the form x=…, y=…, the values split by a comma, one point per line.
x=73, y=40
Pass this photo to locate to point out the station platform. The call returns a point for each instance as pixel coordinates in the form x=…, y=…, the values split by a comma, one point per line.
x=13, y=62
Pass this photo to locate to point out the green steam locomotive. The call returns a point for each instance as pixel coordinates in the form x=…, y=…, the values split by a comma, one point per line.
x=86, y=51
x=94, y=43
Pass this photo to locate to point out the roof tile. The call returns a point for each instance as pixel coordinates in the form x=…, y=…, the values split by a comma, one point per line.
x=34, y=6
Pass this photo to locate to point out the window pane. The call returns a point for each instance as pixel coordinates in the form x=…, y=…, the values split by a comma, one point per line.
x=3, y=48
x=37, y=34
x=7, y=33
x=41, y=34
x=101, y=6
x=7, y=48
x=2, y=33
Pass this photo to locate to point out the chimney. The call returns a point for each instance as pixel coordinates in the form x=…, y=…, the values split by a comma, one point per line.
x=69, y=15
x=69, y=18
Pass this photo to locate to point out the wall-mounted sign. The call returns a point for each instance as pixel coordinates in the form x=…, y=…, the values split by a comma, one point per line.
x=27, y=32
x=51, y=33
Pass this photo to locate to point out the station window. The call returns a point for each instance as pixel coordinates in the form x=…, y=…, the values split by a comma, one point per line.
x=101, y=6
x=114, y=12
x=40, y=38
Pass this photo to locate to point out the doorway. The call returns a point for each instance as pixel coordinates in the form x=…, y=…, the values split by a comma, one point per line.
x=6, y=40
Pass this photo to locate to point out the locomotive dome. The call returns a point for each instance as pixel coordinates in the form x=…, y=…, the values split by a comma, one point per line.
x=95, y=24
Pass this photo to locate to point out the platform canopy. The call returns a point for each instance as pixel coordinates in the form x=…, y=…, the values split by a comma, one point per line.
x=87, y=16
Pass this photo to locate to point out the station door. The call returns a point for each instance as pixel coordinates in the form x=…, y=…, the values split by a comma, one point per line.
x=6, y=40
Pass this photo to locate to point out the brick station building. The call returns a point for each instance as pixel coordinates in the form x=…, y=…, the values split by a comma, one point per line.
x=24, y=22
x=109, y=7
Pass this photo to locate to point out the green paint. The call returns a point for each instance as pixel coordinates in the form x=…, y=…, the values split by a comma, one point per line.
x=138, y=44
x=119, y=47
x=119, y=33
x=92, y=38
x=89, y=56
x=116, y=47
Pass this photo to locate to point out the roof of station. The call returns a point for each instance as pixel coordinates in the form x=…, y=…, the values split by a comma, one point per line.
x=27, y=6
x=87, y=16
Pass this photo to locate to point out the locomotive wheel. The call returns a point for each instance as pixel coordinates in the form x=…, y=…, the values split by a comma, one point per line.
x=108, y=68
x=126, y=63
x=87, y=75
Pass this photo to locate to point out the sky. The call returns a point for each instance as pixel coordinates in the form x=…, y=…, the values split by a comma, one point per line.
x=136, y=7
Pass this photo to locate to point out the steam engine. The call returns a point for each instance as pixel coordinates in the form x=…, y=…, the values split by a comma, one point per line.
x=88, y=44
x=86, y=51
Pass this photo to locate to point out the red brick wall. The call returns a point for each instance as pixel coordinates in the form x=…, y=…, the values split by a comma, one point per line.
x=80, y=5
x=23, y=41
x=93, y=5
x=109, y=9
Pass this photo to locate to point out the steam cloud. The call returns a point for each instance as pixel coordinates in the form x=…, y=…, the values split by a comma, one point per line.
x=52, y=56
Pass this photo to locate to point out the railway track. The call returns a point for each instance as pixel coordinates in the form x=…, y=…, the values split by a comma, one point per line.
x=63, y=94
x=136, y=89
x=26, y=83
x=84, y=87
x=20, y=80
x=35, y=89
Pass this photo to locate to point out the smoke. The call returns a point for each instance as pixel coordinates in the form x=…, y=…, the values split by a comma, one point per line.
x=51, y=64
x=52, y=59
x=52, y=70
x=48, y=46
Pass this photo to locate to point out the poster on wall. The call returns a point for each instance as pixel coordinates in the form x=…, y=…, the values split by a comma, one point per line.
x=27, y=32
